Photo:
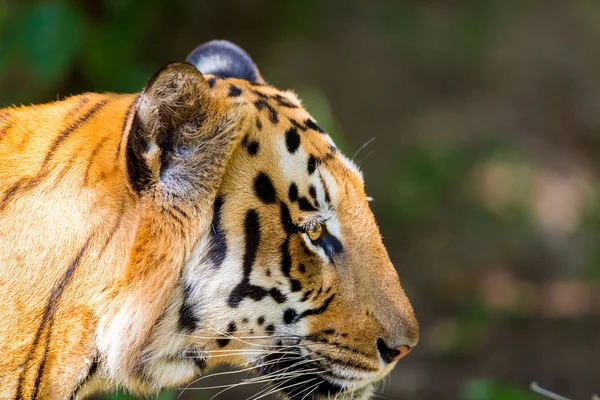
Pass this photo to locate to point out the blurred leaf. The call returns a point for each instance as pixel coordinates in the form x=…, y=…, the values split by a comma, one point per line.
x=112, y=49
x=487, y=389
x=47, y=37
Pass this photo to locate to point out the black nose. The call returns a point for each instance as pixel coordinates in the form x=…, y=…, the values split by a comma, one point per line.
x=390, y=355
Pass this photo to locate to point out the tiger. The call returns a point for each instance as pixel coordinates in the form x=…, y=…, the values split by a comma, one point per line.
x=147, y=238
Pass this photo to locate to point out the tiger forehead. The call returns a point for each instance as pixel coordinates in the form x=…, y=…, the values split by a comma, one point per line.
x=277, y=112
x=252, y=91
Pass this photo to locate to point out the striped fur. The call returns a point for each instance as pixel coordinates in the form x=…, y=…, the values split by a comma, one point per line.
x=132, y=225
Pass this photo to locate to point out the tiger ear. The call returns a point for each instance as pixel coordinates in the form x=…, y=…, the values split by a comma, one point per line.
x=225, y=60
x=171, y=114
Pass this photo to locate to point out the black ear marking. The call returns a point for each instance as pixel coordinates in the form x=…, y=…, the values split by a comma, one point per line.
x=225, y=60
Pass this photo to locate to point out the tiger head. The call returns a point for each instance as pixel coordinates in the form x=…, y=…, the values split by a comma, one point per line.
x=293, y=280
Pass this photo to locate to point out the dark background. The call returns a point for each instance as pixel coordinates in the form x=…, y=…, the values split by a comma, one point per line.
x=486, y=119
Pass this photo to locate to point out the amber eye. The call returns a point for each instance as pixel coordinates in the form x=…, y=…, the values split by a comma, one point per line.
x=314, y=233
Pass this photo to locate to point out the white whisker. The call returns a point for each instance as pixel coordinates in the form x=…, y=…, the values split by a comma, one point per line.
x=285, y=387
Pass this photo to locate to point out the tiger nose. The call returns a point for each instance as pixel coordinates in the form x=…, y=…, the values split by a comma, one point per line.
x=390, y=355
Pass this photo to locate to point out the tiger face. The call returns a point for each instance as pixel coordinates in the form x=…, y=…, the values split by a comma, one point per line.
x=293, y=280
x=206, y=220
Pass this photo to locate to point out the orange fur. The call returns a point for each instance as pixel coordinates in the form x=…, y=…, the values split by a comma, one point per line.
x=93, y=260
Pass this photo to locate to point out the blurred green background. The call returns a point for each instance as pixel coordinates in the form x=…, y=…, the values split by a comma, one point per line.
x=486, y=119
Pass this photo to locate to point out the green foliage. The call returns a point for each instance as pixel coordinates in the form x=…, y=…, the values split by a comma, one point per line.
x=429, y=177
x=43, y=43
x=438, y=43
x=487, y=389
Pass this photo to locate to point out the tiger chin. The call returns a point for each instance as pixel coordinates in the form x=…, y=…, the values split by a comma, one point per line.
x=147, y=238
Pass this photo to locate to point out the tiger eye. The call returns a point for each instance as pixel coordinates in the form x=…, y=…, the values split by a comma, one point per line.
x=315, y=232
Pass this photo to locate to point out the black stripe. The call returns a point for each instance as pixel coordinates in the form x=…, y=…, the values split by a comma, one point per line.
x=311, y=124
x=180, y=211
x=72, y=128
x=188, y=320
x=95, y=152
x=234, y=91
x=326, y=189
x=80, y=103
x=218, y=239
x=252, y=239
x=140, y=176
x=231, y=329
x=124, y=128
x=292, y=140
x=52, y=305
x=47, y=318
x=286, y=258
x=12, y=190
x=22, y=184
x=4, y=130
x=175, y=217
x=252, y=236
x=305, y=205
x=312, y=164
x=319, y=310
x=262, y=104
x=264, y=189
x=211, y=82
x=284, y=102
x=286, y=220
x=245, y=288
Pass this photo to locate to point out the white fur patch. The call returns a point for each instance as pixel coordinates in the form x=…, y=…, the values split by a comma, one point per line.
x=351, y=166
x=214, y=63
